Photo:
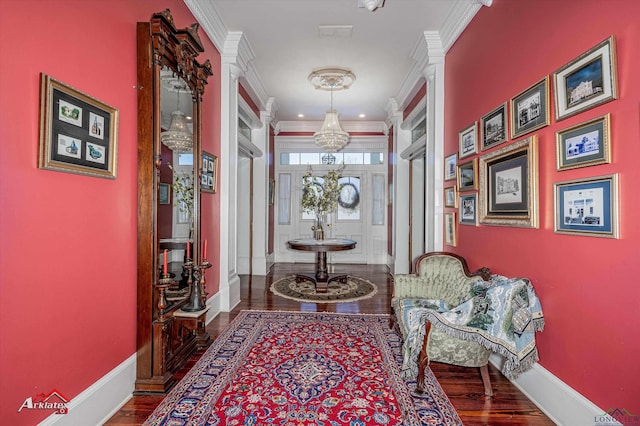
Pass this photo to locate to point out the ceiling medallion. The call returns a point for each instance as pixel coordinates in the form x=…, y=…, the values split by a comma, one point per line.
x=332, y=78
x=331, y=137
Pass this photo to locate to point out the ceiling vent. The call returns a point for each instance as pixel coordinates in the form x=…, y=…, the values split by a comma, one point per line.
x=342, y=31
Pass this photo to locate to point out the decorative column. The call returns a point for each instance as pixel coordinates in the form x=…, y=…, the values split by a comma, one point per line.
x=234, y=62
x=260, y=137
x=402, y=139
x=434, y=170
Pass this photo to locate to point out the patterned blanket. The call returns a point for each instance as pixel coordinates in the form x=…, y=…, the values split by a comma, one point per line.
x=502, y=315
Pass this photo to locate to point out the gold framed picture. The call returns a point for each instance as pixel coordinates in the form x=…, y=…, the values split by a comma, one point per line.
x=78, y=133
x=509, y=185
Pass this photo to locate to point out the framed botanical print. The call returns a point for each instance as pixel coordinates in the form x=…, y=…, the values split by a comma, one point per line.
x=585, y=144
x=468, y=141
x=587, y=81
x=587, y=207
x=509, y=185
x=493, y=127
x=530, y=109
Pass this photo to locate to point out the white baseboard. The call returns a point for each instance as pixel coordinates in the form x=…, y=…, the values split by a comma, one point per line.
x=214, y=307
x=242, y=265
x=100, y=401
x=560, y=402
x=230, y=294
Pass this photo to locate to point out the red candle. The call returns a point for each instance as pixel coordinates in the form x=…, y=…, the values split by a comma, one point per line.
x=188, y=249
x=204, y=251
x=164, y=266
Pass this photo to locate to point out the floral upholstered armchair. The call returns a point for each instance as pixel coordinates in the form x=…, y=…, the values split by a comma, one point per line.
x=442, y=281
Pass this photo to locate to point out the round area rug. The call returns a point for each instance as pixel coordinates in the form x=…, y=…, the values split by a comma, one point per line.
x=305, y=291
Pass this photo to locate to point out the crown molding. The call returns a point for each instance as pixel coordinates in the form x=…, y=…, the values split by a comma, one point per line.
x=207, y=15
x=458, y=19
x=427, y=50
x=229, y=44
x=432, y=46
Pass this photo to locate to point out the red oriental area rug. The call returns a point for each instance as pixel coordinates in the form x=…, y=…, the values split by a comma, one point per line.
x=298, y=368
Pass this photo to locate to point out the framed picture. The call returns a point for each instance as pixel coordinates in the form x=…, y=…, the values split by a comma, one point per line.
x=585, y=144
x=493, y=127
x=509, y=185
x=450, y=229
x=450, y=197
x=209, y=176
x=468, y=141
x=164, y=196
x=78, y=133
x=530, y=109
x=468, y=175
x=587, y=207
x=450, y=163
x=468, y=213
x=587, y=81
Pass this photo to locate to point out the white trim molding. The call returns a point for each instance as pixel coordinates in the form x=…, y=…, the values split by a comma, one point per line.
x=209, y=18
x=560, y=402
x=100, y=401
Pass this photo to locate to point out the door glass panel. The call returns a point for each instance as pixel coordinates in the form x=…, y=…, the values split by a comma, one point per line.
x=378, y=200
x=349, y=200
x=309, y=158
x=353, y=158
x=284, y=199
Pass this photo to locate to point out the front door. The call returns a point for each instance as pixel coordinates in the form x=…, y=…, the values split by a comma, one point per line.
x=359, y=217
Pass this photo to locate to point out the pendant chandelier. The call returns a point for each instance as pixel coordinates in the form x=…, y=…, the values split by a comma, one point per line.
x=331, y=137
x=178, y=138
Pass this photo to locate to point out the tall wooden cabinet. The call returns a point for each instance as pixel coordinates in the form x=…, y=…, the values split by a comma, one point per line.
x=170, y=79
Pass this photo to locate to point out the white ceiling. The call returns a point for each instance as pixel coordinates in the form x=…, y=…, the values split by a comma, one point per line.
x=283, y=38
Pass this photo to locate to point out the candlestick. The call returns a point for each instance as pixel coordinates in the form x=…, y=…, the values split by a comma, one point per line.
x=164, y=266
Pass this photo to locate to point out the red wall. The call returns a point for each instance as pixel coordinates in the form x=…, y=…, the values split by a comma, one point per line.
x=68, y=242
x=247, y=98
x=587, y=285
x=422, y=92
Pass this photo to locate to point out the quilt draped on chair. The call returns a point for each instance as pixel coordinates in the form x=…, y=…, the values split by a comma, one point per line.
x=502, y=315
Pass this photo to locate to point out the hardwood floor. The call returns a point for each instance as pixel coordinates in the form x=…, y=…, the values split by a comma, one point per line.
x=462, y=385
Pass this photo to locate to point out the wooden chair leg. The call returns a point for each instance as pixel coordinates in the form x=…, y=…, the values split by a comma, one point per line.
x=392, y=319
x=486, y=381
x=423, y=359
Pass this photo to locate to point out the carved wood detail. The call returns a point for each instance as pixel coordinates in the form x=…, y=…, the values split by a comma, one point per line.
x=164, y=340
